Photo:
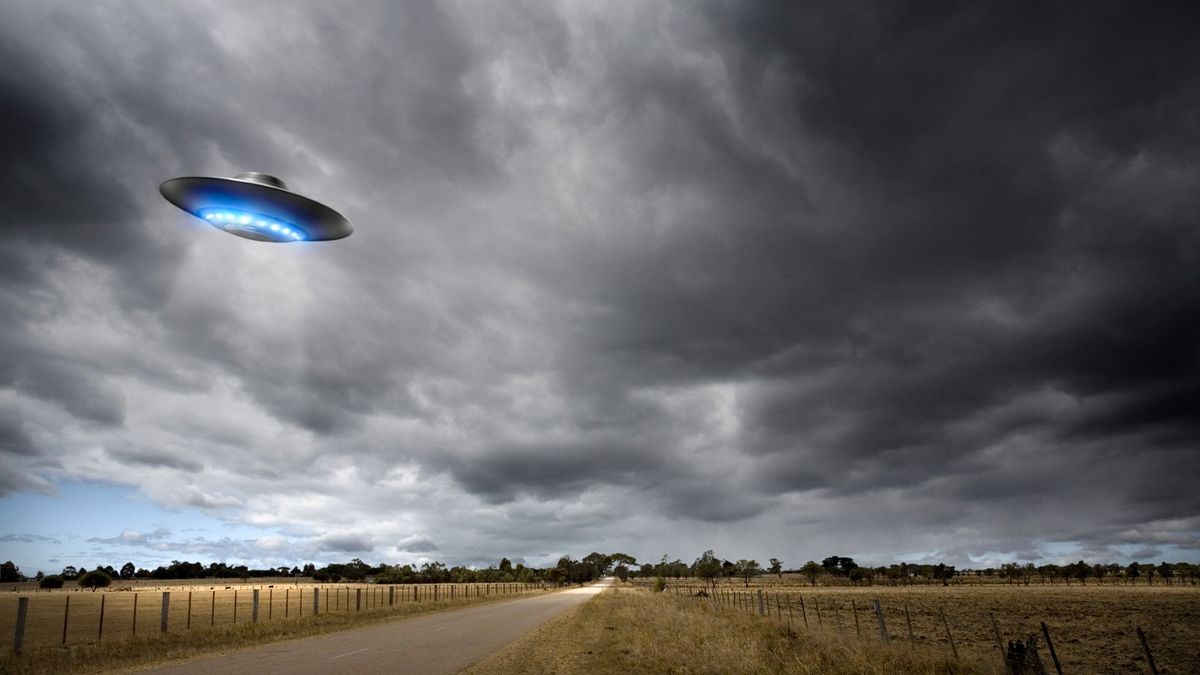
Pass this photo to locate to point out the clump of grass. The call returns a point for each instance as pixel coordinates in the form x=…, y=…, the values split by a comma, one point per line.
x=631, y=632
x=129, y=652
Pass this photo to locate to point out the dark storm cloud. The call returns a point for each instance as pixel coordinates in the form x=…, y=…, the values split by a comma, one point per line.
x=729, y=267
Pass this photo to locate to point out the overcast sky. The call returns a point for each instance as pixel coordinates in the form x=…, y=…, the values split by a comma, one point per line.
x=782, y=280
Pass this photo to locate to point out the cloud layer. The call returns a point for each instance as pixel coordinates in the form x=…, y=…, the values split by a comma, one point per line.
x=784, y=280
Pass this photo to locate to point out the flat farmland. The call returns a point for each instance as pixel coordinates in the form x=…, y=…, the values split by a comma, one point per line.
x=72, y=616
x=1093, y=627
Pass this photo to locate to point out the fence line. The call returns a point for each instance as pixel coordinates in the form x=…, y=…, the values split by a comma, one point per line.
x=757, y=602
x=42, y=619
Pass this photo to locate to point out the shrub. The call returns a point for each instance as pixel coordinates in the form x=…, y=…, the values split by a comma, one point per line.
x=51, y=581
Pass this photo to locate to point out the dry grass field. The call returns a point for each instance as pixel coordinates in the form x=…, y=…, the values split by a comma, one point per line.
x=136, y=609
x=627, y=631
x=1093, y=627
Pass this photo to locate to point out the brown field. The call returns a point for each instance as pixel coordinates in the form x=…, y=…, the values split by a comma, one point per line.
x=1093, y=627
x=628, y=632
x=135, y=608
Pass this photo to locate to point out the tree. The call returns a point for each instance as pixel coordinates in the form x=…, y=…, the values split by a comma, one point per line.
x=10, y=572
x=748, y=569
x=505, y=565
x=624, y=558
x=51, y=581
x=777, y=567
x=860, y=574
x=1166, y=572
x=812, y=570
x=1081, y=571
x=707, y=567
x=622, y=572
x=94, y=580
x=70, y=573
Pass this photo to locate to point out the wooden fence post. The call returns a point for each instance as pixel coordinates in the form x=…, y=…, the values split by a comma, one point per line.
x=189, y=616
x=254, y=608
x=1145, y=648
x=135, y=597
x=100, y=629
x=817, y=604
x=391, y=595
x=857, y=629
x=212, y=610
x=19, y=632
x=358, y=599
x=760, y=603
x=66, y=615
x=883, y=634
x=948, y=636
x=908, y=620
x=316, y=601
x=1050, y=644
x=996, y=632
x=803, y=612
x=287, y=601
x=166, y=605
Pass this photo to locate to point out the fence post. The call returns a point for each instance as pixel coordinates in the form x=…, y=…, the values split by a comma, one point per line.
x=316, y=601
x=254, y=608
x=66, y=615
x=908, y=620
x=1050, y=644
x=100, y=629
x=189, y=618
x=837, y=616
x=1145, y=648
x=19, y=633
x=820, y=621
x=883, y=634
x=760, y=603
x=391, y=595
x=166, y=604
x=212, y=610
x=951, y=638
x=996, y=632
x=135, y=597
x=857, y=630
x=803, y=612
x=358, y=599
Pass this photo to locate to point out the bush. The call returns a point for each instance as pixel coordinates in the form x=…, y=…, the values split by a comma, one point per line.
x=51, y=582
x=94, y=580
x=660, y=585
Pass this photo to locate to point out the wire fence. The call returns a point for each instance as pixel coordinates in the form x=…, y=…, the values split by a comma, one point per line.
x=1014, y=636
x=67, y=617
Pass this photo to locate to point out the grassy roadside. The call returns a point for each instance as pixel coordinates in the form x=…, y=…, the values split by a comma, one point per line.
x=626, y=631
x=146, y=651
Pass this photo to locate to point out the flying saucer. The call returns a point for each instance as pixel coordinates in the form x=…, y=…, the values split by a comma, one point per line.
x=256, y=206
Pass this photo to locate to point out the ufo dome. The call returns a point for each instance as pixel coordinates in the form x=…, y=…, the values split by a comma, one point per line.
x=256, y=206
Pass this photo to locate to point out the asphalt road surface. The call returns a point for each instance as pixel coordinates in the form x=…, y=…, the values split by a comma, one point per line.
x=440, y=642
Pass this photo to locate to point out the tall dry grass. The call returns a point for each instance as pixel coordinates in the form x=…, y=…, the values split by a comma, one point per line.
x=626, y=631
x=126, y=653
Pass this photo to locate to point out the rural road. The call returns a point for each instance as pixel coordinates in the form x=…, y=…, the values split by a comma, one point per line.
x=441, y=642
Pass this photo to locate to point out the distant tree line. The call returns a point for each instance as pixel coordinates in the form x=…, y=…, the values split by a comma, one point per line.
x=566, y=571
x=710, y=568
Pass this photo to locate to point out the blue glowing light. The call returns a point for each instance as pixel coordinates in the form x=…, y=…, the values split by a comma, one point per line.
x=255, y=225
